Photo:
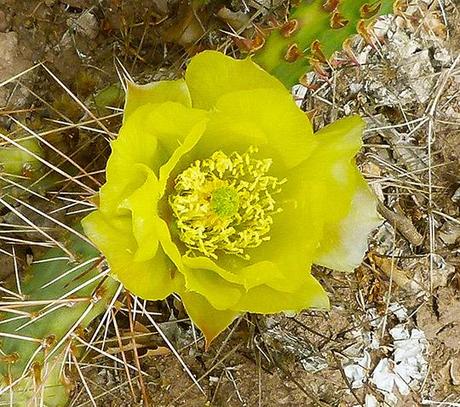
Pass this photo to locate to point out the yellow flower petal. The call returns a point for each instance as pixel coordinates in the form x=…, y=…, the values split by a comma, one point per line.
x=277, y=126
x=190, y=141
x=205, y=263
x=155, y=92
x=212, y=74
x=319, y=191
x=143, y=205
x=208, y=319
x=317, y=195
x=266, y=300
x=343, y=245
x=152, y=279
x=220, y=293
x=262, y=273
x=294, y=235
x=332, y=166
x=150, y=136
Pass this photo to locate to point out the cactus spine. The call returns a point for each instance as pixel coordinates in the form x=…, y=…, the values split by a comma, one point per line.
x=314, y=31
x=58, y=300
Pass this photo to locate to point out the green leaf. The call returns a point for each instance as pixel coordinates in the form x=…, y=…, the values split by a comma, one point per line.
x=15, y=161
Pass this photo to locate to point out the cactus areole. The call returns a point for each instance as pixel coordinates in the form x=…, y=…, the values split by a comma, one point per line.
x=61, y=299
x=314, y=31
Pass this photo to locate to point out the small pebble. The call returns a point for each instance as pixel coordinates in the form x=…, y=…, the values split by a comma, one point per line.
x=86, y=25
x=456, y=195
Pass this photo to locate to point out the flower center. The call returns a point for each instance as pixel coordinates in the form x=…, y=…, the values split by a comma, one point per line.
x=225, y=203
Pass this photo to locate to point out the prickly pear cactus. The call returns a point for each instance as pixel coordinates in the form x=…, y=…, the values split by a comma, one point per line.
x=57, y=300
x=314, y=31
x=20, y=167
x=16, y=161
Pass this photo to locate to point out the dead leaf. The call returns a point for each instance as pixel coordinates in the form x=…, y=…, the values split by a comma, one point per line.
x=389, y=268
x=236, y=19
x=159, y=351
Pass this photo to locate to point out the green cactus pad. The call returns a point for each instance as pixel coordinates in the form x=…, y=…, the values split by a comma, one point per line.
x=17, y=161
x=40, y=360
x=315, y=30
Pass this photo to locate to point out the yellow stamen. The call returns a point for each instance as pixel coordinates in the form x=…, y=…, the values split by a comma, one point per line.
x=225, y=203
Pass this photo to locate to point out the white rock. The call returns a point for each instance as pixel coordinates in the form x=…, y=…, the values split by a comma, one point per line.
x=383, y=376
x=357, y=372
x=399, y=311
x=407, y=368
x=370, y=401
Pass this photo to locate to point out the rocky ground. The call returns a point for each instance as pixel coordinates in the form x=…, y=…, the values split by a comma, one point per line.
x=392, y=337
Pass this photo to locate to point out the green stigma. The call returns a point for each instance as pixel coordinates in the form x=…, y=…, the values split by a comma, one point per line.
x=225, y=203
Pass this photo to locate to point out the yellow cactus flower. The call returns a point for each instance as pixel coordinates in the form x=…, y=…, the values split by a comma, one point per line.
x=218, y=190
